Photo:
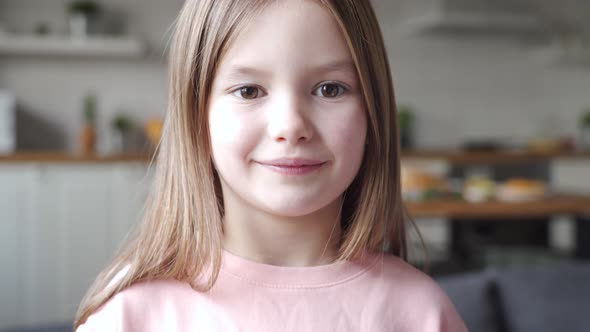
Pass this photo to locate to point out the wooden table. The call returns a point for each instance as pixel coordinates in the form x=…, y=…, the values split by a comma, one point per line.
x=555, y=204
x=464, y=215
x=456, y=156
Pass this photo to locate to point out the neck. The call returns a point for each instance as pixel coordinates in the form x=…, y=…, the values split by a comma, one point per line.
x=278, y=240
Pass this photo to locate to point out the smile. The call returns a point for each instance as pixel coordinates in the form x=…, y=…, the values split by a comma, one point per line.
x=293, y=167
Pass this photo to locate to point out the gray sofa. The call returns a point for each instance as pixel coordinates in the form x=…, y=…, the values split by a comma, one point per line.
x=66, y=327
x=553, y=297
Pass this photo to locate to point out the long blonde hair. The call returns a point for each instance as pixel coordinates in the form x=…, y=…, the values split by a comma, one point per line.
x=181, y=231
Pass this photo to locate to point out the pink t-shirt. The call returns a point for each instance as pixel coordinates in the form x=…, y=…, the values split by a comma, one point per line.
x=377, y=293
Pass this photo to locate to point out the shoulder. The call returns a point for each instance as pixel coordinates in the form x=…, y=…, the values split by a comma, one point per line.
x=389, y=270
x=140, y=307
x=152, y=294
x=417, y=297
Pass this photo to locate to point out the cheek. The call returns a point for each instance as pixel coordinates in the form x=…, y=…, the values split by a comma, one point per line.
x=231, y=137
x=347, y=135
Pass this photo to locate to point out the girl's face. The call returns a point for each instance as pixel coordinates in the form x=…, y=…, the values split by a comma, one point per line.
x=286, y=115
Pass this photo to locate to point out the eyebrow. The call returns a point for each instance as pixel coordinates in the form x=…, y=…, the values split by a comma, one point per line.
x=341, y=65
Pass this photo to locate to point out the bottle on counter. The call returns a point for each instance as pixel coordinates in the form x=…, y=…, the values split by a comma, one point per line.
x=88, y=134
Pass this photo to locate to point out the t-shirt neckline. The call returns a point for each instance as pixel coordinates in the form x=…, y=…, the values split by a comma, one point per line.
x=266, y=275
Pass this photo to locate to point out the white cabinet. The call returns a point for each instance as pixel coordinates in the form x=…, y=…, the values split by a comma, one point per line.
x=61, y=224
x=16, y=183
x=80, y=198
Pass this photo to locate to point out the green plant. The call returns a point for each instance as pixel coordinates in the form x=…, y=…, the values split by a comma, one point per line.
x=90, y=109
x=86, y=7
x=585, y=118
x=122, y=122
x=405, y=116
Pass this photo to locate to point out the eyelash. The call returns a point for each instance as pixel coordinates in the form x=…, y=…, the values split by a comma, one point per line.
x=342, y=89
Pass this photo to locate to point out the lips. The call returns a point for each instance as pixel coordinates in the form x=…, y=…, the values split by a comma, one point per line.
x=295, y=166
x=288, y=162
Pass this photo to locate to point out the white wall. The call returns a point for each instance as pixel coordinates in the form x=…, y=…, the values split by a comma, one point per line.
x=462, y=87
x=51, y=89
x=478, y=86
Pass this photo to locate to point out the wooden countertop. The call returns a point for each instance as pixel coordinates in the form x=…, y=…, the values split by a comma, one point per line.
x=495, y=157
x=555, y=204
x=64, y=157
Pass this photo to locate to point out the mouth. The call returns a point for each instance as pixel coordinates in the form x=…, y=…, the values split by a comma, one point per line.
x=293, y=167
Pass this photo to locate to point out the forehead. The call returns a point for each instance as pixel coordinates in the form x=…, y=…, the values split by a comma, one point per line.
x=288, y=35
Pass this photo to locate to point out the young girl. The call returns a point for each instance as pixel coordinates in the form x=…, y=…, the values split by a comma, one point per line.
x=277, y=203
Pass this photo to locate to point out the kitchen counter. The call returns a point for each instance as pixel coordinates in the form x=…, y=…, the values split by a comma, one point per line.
x=492, y=157
x=65, y=157
x=553, y=204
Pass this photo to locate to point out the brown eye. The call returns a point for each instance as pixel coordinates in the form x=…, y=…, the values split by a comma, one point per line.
x=249, y=92
x=331, y=90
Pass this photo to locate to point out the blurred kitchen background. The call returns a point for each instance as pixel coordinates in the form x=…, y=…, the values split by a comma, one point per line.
x=494, y=109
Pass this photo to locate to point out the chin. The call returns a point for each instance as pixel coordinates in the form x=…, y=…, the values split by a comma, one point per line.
x=293, y=208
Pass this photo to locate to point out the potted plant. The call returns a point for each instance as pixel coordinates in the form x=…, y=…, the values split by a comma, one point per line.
x=405, y=116
x=585, y=129
x=123, y=127
x=82, y=14
x=88, y=134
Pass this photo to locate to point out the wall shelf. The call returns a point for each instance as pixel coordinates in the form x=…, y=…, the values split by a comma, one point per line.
x=30, y=45
x=555, y=55
x=458, y=21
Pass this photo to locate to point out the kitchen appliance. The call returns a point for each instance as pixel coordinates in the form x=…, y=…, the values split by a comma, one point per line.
x=7, y=122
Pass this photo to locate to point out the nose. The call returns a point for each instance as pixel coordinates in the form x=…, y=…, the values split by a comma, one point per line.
x=288, y=121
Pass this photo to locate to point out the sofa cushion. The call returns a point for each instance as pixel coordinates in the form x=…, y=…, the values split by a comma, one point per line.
x=473, y=296
x=546, y=298
x=66, y=327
